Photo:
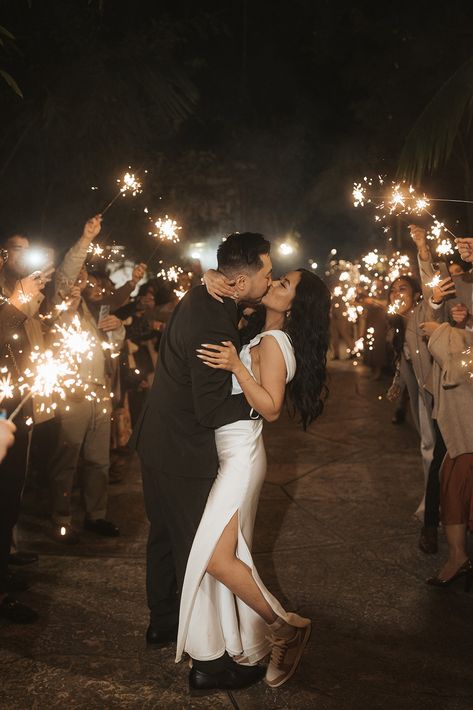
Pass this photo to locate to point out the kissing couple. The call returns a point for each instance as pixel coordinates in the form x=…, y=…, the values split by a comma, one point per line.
x=199, y=438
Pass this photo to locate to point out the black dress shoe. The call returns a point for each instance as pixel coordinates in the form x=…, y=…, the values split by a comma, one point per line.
x=17, y=582
x=22, y=558
x=101, y=527
x=161, y=637
x=232, y=677
x=18, y=613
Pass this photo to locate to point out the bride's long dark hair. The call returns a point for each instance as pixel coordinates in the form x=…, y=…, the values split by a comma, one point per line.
x=308, y=328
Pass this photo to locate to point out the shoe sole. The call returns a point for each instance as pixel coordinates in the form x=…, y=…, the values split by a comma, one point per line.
x=201, y=692
x=308, y=631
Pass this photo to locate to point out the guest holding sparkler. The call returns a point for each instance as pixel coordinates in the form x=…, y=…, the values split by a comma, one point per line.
x=14, y=351
x=84, y=426
x=453, y=401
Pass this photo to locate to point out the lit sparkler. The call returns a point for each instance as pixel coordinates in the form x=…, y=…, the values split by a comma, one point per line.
x=129, y=184
x=444, y=248
x=166, y=230
x=7, y=389
x=435, y=281
x=171, y=274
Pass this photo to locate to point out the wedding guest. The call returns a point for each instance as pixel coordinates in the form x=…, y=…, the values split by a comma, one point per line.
x=84, y=426
x=453, y=398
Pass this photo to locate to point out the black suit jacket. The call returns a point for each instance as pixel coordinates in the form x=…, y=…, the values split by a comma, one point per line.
x=188, y=400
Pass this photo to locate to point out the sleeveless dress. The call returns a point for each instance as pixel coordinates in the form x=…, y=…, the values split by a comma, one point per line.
x=211, y=619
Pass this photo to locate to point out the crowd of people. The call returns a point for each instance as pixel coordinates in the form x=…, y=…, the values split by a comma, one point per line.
x=68, y=442
x=419, y=330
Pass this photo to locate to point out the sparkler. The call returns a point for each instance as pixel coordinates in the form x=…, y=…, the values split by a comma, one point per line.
x=129, y=184
x=402, y=199
x=166, y=230
x=444, y=248
x=171, y=274
x=56, y=371
x=435, y=281
x=393, y=308
x=6, y=386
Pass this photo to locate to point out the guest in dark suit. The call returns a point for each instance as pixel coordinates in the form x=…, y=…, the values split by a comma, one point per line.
x=175, y=438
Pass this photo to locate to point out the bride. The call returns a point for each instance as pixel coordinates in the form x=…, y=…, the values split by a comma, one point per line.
x=225, y=607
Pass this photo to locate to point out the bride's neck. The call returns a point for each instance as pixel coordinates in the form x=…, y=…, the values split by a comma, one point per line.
x=274, y=320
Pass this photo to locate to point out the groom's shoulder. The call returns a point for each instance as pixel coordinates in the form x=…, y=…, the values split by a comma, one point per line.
x=202, y=306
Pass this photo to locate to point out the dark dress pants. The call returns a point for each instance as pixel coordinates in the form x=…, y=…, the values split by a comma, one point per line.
x=12, y=481
x=174, y=506
x=432, y=491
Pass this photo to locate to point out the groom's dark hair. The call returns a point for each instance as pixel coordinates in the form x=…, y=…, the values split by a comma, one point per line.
x=242, y=252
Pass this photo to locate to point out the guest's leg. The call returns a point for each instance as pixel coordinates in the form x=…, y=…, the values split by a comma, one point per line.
x=96, y=453
x=432, y=494
x=63, y=465
x=12, y=479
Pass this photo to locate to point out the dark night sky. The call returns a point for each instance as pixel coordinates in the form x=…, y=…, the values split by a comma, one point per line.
x=248, y=115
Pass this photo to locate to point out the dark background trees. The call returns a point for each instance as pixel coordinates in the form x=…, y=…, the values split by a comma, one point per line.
x=247, y=115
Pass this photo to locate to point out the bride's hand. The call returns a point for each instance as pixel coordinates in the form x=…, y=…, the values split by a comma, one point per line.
x=218, y=285
x=220, y=357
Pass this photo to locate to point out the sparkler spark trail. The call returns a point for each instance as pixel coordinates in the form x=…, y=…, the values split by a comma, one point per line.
x=171, y=274
x=166, y=230
x=95, y=250
x=129, y=183
x=6, y=386
x=56, y=371
x=393, y=308
x=435, y=281
x=444, y=248
x=402, y=199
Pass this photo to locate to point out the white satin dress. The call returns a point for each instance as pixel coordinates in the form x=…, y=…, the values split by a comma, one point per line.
x=211, y=619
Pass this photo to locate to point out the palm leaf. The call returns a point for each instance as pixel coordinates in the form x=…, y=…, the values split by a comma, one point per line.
x=430, y=142
x=11, y=82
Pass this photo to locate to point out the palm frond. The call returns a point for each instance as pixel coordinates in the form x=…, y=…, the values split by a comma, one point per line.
x=430, y=142
x=11, y=82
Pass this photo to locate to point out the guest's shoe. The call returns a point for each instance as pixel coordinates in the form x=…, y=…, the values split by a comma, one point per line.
x=17, y=582
x=286, y=655
x=465, y=572
x=22, y=558
x=15, y=611
x=65, y=534
x=232, y=677
x=428, y=540
x=399, y=417
x=102, y=527
x=161, y=637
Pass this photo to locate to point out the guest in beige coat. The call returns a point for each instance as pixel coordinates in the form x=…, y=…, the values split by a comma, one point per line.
x=453, y=404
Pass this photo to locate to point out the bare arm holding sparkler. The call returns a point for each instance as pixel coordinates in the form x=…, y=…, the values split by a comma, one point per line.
x=121, y=295
x=69, y=269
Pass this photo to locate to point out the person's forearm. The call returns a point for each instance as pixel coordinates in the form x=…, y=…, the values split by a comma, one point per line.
x=423, y=251
x=257, y=397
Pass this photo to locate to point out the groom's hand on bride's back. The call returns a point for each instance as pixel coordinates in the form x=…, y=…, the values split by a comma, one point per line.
x=218, y=286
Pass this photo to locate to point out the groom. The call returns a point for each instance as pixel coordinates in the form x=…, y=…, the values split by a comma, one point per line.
x=175, y=440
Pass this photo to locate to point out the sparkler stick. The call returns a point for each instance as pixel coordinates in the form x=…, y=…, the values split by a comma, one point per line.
x=17, y=410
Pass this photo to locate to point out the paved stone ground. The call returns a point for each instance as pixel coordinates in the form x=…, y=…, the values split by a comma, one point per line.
x=335, y=539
